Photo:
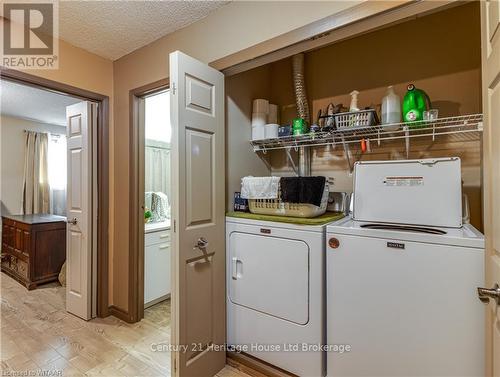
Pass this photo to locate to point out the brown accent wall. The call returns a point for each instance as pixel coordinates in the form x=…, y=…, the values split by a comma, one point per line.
x=241, y=160
x=439, y=53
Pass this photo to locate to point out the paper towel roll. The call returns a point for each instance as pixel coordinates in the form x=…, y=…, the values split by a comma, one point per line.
x=260, y=106
x=272, y=116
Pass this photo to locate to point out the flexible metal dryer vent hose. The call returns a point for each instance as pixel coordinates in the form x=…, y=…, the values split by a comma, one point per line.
x=304, y=155
x=300, y=87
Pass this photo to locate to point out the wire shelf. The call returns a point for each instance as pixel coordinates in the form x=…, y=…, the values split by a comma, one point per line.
x=457, y=129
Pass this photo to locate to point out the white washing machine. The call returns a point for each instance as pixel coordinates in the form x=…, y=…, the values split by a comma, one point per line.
x=401, y=294
x=275, y=293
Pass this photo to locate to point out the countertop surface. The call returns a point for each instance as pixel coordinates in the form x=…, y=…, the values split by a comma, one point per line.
x=326, y=218
x=156, y=227
x=41, y=218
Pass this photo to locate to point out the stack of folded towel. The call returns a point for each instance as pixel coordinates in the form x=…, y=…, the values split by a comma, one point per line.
x=307, y=190
x=302, y=190
x=260, y=187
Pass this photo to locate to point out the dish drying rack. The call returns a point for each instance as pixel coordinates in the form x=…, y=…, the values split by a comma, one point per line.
x=457, y=129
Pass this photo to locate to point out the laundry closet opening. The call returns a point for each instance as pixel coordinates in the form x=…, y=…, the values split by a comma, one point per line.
x=438, y=52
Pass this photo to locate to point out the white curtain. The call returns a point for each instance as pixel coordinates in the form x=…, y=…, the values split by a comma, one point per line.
x=157, y=170
x=36, y=189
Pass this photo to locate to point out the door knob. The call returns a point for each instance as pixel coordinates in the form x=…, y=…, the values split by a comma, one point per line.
x=201, y=244
x=72, y=222
x=486, y=294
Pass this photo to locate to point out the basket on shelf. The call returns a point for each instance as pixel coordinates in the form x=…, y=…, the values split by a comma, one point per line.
x=356, y=119
x=279, y=208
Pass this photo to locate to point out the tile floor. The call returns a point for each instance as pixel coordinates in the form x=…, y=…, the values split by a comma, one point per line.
x=38, y=334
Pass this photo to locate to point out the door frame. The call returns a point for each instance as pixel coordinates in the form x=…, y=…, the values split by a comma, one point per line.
x=137, y=144
x=102, y=170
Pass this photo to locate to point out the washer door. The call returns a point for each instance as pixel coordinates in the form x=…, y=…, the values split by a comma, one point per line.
x=270, y=275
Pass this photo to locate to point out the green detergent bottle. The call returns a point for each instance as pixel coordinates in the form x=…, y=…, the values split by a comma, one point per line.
x=416, y=101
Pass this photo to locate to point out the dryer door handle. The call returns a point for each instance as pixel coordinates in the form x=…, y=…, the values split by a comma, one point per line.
x=234, y=268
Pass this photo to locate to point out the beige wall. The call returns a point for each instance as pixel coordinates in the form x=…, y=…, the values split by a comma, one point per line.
x=234, y=27
x=82, y=69
x=12, y=150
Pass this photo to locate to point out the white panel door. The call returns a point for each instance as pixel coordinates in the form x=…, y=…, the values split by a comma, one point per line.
x=198, y=242
x=80, y=118
x=490, y=36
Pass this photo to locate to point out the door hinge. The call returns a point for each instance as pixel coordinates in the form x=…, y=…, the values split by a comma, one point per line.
x=174, y=226
x=175, y=364
x=173, y=88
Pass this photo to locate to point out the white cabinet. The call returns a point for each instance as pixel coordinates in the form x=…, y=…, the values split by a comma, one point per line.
x=156, y=266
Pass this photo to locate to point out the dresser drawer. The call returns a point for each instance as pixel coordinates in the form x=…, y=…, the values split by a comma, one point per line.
x=16, y=253
x=17, y=266
x=6, y=260
x=22, y=268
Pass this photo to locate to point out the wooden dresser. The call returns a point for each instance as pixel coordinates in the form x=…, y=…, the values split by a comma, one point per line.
x=33, y=248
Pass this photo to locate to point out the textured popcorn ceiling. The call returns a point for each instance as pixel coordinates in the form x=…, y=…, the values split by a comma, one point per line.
x=27, y=102
x=113, y=29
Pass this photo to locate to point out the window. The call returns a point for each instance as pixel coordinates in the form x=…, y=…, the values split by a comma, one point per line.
x=57, y=162
x=157, y=116
x=57, y=173
x=157, y=156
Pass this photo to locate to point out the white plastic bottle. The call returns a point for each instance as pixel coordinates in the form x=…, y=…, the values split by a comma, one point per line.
x=354, y=101
x=391, y=107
